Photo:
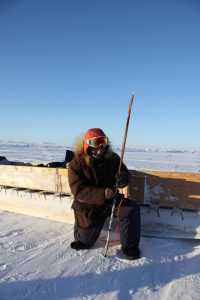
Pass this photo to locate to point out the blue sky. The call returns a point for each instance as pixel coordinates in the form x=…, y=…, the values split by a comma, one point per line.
x=69, y=65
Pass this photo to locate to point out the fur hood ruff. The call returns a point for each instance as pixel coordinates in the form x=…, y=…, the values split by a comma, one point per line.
x=80, y=154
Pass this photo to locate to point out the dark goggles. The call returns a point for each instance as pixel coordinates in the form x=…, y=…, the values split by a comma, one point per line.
x=97, y=141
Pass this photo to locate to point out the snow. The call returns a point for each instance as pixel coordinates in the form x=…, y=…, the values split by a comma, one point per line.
x=36, y=261
x=135, y=158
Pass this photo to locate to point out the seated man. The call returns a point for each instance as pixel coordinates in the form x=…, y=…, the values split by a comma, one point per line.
x=93, y=174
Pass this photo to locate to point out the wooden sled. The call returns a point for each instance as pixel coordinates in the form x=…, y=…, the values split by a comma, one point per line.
x=169, y=201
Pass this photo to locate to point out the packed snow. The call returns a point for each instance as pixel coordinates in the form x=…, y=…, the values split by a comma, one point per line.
x=36, y=260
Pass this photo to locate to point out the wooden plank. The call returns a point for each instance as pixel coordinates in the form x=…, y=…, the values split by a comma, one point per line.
x=46, y=179
x=38, y=205
x=36, y=178
x=59, y=209
x=171, y=189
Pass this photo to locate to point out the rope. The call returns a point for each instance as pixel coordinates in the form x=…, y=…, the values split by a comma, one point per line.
x=118, y=211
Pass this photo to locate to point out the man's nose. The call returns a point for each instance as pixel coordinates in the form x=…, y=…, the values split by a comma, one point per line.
x=101, y=147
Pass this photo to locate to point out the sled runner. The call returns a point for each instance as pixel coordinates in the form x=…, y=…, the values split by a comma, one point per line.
x=170, y=201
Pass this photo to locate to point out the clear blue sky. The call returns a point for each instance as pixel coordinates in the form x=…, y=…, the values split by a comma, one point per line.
x=69, y=65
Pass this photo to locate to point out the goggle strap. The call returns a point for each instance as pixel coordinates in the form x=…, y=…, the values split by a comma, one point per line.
x=87, y=141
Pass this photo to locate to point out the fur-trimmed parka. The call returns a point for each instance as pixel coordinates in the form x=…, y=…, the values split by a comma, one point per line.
x=88, y=179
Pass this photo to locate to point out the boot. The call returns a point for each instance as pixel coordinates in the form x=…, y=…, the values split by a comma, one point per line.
x=78, y=245
x=131, y=253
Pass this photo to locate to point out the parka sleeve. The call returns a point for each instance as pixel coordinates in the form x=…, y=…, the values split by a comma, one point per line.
x=81, y=188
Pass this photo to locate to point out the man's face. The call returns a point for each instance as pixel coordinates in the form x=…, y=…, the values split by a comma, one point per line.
x=99, y=151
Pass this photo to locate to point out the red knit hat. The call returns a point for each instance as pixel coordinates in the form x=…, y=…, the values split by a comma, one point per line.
x=91, y=133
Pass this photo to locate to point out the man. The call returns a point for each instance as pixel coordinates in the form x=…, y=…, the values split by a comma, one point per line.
x=93, y=175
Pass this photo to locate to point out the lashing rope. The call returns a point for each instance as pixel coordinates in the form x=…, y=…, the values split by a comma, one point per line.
x=118, y=212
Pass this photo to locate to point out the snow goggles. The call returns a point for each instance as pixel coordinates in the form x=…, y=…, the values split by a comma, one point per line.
x=95, y=142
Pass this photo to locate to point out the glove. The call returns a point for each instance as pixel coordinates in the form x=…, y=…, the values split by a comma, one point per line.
x=122, y=180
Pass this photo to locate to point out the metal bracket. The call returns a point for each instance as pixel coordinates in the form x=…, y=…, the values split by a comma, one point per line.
x=154, y=207
x=177, y=210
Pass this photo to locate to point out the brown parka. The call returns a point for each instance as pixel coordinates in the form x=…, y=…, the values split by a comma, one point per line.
x=88, y=178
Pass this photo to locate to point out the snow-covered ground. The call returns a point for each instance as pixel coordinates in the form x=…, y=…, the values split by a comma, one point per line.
x=135, y=158
x=36, y=261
